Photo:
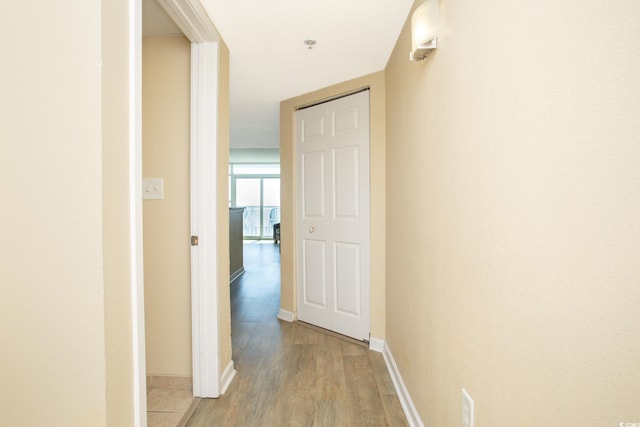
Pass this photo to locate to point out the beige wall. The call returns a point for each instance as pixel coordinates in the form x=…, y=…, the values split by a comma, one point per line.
x=224, y=297
x=116, y=227
x=166, y=66
x=288, y=190
x=513, y=240
x=52, y=362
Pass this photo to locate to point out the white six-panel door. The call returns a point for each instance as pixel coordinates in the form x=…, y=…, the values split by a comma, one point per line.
x=332, y=215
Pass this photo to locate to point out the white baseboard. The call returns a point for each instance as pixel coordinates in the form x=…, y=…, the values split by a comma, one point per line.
x=403, y=394
x=287, y=316
x=376, y=344
x=227, y=376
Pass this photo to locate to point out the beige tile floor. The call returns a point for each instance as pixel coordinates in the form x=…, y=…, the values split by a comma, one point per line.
x=169, y=402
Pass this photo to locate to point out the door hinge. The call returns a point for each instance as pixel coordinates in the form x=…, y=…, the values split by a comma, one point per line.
x=194, y=240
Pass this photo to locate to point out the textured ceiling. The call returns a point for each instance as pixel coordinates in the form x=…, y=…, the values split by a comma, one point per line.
x=270, y=62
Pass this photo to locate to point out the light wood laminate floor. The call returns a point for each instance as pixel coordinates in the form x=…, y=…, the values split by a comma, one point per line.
x=290, y=374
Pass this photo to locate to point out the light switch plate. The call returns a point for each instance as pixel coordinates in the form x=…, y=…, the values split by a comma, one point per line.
x=153, y=188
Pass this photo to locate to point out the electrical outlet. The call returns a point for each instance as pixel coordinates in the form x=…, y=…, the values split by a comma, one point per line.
x=467, y=409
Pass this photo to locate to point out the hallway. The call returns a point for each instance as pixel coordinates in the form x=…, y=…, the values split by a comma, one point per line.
x=294, y=375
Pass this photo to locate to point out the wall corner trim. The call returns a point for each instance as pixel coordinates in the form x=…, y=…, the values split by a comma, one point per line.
x=376, y=344
x=287, y=316
x=413, y=418
x=227, y=376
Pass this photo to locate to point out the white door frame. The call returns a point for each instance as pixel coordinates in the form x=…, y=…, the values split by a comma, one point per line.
x=193, y=20
x=204, y=256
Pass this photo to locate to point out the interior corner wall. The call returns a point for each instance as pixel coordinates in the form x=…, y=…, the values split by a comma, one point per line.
x=52, y=362
x=375, y=82
x=166, y=88
x=224, y=296
x=117, y=228
x=513, y=216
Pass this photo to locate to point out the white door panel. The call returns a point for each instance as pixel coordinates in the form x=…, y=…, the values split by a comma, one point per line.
x=314, y=274
x=345, y=121
x=312, y=129
x=346, y=182
x=346, y=266
x=332, y=153
x=313, y=184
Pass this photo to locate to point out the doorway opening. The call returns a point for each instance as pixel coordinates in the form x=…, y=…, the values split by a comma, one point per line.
x=256, y=188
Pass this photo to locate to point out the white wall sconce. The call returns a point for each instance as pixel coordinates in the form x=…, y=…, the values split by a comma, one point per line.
x=424, y=30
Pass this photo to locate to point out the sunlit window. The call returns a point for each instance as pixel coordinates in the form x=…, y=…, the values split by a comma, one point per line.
x=256, y=187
